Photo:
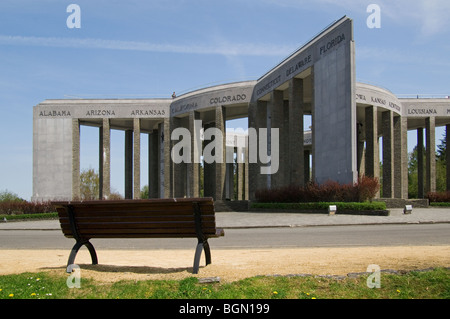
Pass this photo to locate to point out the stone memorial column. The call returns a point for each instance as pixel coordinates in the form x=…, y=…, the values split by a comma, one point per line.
x=430, y=183
x=240, y=173
x=76, y=159
x=105, y=159
x=220, y=165
x=136, y=158
x=165, y=159
x=261, y=122
x=178, y=171
x=372, y=158
x=276, y=106
x=128, y=164
x=447, y=155
x=420, y=179
x=400, y=157
x=153, y=164
x=193, y=168
x=388, y=154
x=295, y=150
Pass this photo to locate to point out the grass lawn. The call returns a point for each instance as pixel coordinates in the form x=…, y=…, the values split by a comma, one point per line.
x=432, y=284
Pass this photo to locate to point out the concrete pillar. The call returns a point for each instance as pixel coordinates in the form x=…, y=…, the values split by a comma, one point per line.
x=388, y=154
x=257, y=119
x=420, y=174
x=177, y=172
x=295, y=148
x=246, y=165
x=447, y=155
x=136, y=158
x=105, y=160
x=372, y=158
x=153, y=164
x=229, y=176
x=306, y=170
x=209, y=176
x=128, y=164
x=76, y=160
x=400, y=157
x=313, y=130
x=240, y=173
x=430, y=183
x=276, y=106
x=220, y=166
x=165, y=159
x=261, y=122
x=360, y=150
x=193, y=168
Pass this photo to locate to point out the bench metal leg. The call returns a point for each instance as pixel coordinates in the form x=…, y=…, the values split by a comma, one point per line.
x=207, y=252
x=202, y=245
x=74, y=252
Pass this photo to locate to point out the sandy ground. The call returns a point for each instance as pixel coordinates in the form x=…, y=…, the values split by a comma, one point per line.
x=229, y=265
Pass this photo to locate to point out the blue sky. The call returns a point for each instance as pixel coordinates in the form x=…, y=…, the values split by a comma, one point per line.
x=127, y=49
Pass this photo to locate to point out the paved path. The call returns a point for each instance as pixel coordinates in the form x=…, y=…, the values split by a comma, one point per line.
x=267, y=219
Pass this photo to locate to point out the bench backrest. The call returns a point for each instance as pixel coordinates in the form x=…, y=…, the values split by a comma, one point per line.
x=159, y=218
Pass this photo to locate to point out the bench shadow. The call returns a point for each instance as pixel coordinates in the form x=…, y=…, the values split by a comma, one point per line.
x=143, y=270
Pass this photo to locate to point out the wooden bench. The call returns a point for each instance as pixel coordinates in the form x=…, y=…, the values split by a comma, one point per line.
x=153, y=218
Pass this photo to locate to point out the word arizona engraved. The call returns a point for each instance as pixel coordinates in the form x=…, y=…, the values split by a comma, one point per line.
x=100, y=112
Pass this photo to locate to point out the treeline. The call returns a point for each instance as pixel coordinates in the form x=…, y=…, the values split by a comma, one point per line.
x=11, y=204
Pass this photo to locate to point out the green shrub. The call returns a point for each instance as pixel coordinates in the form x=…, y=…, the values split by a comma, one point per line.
x=438, y=197
x=364, y=190
x=25, y=207
x=341, y=206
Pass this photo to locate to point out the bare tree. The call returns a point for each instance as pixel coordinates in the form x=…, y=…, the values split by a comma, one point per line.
x=89, y=184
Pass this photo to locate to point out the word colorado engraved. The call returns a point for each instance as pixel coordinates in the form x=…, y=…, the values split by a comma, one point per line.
x=226, y=99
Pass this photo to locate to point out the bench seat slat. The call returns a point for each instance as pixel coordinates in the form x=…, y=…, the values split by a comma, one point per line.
x=120, y=225
x=145, y=206
x=153, y=232
x=136, y=219
x=184, y=209
x=143, y=231
x=81, y=212
x=155, y=235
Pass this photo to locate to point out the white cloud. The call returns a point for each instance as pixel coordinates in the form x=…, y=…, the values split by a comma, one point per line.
x=394, y=55
x=429, y=16
x=236, y=49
